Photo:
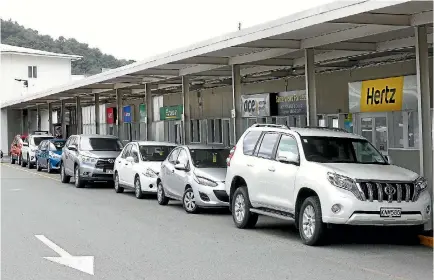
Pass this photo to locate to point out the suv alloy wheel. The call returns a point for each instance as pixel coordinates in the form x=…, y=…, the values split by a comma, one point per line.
x=161, y=196
x=311, y=228
x=241, y=214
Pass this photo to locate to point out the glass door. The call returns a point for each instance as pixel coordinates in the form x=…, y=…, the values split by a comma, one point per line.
x=374, y=128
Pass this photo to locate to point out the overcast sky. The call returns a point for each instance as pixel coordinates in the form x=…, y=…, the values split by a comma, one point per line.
x=136, y=29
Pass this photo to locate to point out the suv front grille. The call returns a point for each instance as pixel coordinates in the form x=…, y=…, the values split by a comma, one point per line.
x=105, y=163
x=389, y=191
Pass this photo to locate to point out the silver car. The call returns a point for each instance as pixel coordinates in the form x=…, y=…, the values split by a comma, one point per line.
x=195, y=175
x=89, y=158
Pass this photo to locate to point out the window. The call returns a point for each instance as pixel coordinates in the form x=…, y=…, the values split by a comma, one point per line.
x=134, y=153
x=56, y=145
x=195, y=131
x=100, y=144
x=32, y=71
x=267, y=145
x=37, y=140
x=183, y=157
x=154, y=153
x=209, y=158
x=42, y=146
x=249, y=142
x=174, y=155
x=287, y=147
x=126, y=152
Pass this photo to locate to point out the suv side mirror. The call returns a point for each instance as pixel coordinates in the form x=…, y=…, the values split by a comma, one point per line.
x=290, y=158
x=130, y=159
x=181, y=166
x=388, y=159
x=72, y=147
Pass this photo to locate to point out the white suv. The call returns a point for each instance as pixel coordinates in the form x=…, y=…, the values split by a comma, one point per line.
x=320, y=176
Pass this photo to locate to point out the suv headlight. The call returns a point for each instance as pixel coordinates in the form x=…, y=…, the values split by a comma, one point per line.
x=204, y=181
x=86, y=159
x=420, y=185
x=345, y=183
x=150, y=173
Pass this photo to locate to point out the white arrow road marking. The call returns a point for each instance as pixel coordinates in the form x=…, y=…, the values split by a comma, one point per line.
x=82, y=263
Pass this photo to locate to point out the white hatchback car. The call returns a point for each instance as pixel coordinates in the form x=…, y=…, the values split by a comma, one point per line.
x=138, y=166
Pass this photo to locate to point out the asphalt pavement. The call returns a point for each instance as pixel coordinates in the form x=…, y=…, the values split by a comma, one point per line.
x=139, y=239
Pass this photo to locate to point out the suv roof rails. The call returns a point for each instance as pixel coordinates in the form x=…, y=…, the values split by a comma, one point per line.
x=41, y=132
x=270, y=125
x=327, y=128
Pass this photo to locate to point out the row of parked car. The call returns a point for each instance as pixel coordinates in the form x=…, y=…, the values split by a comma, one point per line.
x=315, y=176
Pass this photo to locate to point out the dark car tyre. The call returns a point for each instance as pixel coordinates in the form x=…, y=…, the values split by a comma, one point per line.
x=21, y=161
x=310, y=225
x=38, y=166
x=188, y=202
x=49, y=167
x=138, y=188
x=241, y=214
x=63, y=177
x=118, y=187
x=79, y=183
x=161, y=195
x=29, y=164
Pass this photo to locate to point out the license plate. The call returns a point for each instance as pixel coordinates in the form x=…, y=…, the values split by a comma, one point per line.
x=108, y=171
x=387, y=212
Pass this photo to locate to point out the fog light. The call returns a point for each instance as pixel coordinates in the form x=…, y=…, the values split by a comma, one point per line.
x=428, y=209
x=336, y=208
x=86, y=173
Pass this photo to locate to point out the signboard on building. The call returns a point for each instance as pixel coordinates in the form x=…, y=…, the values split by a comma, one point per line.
x=258, y=105
x=291, y=103
x=142, y=112
x=110, y=116
x=171, y=112
x=383, y=95
x=127, y=114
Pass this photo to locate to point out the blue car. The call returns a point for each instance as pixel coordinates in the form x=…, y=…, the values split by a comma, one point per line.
x=48, y=154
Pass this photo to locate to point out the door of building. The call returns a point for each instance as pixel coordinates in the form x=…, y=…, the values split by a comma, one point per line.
x=373, y=126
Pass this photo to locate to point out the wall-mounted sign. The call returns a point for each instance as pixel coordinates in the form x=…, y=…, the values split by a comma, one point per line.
x=127, y=114
x=382, y=95
x=142, y=112
x=110, y=116
x=171, y=112
x=258, y=105
x=291, y=103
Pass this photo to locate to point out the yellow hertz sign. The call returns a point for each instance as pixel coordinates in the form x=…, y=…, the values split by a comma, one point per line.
x=382, y=95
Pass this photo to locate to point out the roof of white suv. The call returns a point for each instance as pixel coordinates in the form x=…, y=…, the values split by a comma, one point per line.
x=309, y=131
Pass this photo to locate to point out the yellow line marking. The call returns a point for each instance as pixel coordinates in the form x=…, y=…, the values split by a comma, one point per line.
x=28, y=171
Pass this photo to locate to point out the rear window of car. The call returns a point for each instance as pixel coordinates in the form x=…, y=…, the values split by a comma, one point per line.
x=249, y=142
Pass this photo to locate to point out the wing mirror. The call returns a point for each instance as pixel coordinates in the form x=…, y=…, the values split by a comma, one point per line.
x=130, y=159
x=72, y=147
x=388, y=159
x=181, y=166
x=290, y=158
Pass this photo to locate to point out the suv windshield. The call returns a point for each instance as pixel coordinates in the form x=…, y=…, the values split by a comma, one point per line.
x=100, y=144
x=340, y=150
x=38, y=139
x=154, y=153
x=57, y=145
x=204, y=158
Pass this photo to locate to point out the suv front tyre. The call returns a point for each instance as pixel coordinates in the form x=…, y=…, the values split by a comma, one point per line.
x=79, y=183
x=241, y=214
x=64, y=178
x=312, y=229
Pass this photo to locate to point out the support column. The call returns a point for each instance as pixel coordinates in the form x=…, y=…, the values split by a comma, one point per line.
x=119, y=107
x=424, y=102
x=50, y=118
x=97, y=120
x=29, y=121
x=149, y=113
x=78, y=115
x=186, y=139
x=236, y=101
x=38, y=118
x=62, y=118
x=312, y=115
x=23, y=122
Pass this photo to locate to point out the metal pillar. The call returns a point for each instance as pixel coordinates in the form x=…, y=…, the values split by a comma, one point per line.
x=186, y=137
x=119, y=120
x=97, y=118
x=424, y=101
x=38, y=118
x=78, y=115
x=149, y=113
x=62, y=118
x=22, y=122
x=29, y=121
x=50, y=118
x=236, y=99
x=312, y=116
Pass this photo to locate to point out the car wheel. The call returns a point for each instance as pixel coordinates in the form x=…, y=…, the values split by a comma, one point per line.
x=311, y=227
x=118, y=187
x=77, y=178
x=29, y=164
x=161, y=196
x=38, y=166
x=12, y=159
x=21, y=161
x=138, y=188
x=49, y=166
x=241, y=214
x=63, y=177
x=188, y=202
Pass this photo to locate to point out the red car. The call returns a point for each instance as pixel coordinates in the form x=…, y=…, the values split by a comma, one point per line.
x=15, y=152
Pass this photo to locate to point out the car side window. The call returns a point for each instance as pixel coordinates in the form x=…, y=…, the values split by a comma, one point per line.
x=266, y=149
x=126, y=152
x=249, y=142
x=287, y=147
x=41, y=146
x=174, y=155
x=182, y=157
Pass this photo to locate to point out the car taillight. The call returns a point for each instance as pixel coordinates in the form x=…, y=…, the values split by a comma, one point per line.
x=231, y=155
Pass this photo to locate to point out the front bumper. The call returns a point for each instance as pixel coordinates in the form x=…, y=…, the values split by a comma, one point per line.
x=148, y=184
x=356, y=212
x=212, y=197
x=92, y=174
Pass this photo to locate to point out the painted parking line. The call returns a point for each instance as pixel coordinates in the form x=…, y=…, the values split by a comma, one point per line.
x=28, y=171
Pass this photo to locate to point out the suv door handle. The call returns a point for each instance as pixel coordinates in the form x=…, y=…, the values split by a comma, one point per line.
x=272, y=169
x=250, y=165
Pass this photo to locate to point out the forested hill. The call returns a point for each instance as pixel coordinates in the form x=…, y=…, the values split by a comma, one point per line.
x=93, y=59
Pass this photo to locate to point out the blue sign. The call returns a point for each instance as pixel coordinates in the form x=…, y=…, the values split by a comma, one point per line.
x=127, y=114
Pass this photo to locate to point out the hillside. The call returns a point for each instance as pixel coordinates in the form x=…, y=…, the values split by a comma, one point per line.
x=93, y=59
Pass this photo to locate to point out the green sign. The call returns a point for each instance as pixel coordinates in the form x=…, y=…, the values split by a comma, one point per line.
x=171, y=112
x=142, y=112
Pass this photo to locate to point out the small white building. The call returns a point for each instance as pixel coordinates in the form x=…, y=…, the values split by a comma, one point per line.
x=24, y=72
